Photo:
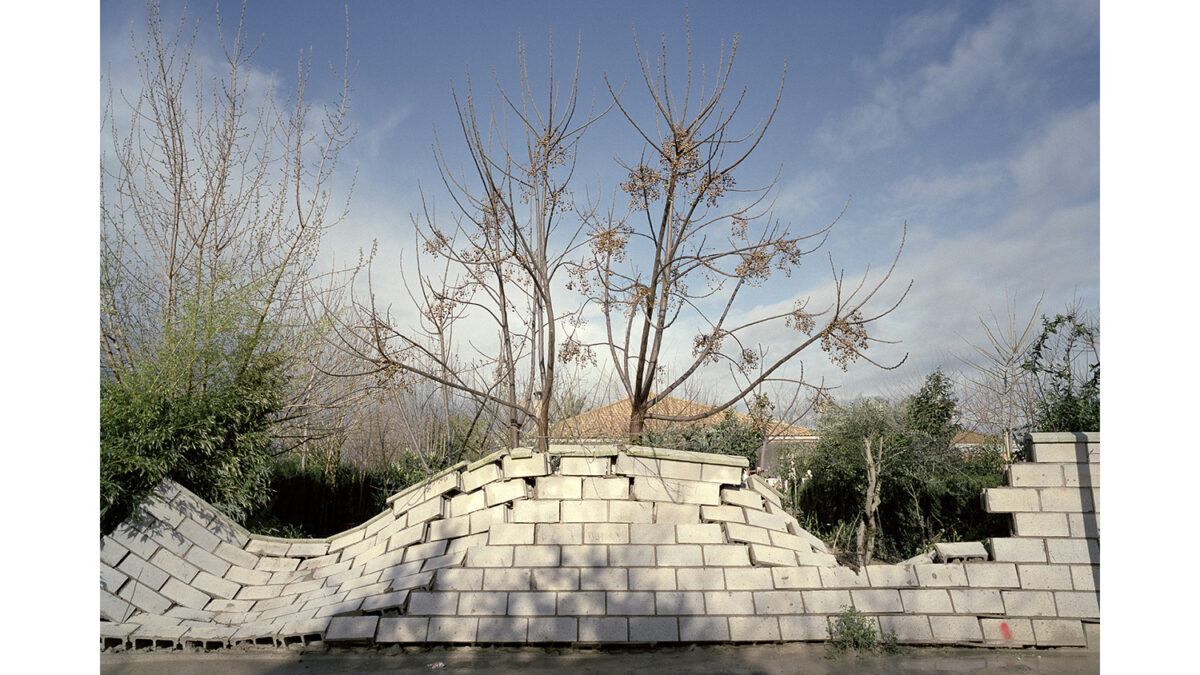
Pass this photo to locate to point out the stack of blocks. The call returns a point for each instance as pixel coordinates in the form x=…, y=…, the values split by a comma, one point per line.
x=583, y=544
x=1055, y=545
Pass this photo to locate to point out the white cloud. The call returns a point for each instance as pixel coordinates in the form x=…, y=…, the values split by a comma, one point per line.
x=1062, y=162
x=378, y=136
x=917, y=34
x=1002, y=60
x=1038, y=232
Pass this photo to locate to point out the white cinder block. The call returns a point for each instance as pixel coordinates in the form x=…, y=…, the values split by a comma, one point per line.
x=771, y=556
x=536, y=511
x=466, y=503
x=477, y=478
x=1059, y=633
x=1028, y=603
x=556, y=579
x=648, y=488
x=558, y=487
x=796, y=577
x=606, y=488
x=826, y=602
x=1085, y=605
x=585, y=466
x=1035, y=475
x=604, y=533
x=742, y=497
x=753, y=628
x=878, y=600
x=536, y=465
x=729, y=602
x=956, y=628
x=728, y=555
x=681, y=514
x=1045, y=577
x=1073, y=551
x=749, y=578
x=1013, y=549
x=558, y=533
x=585, y=511
x=651, y=579
x=947, y=574
x=926, y=601
x=1069, y=500
x=1010, y=500
x=992, y=575
x=505, y=491
x=679, y=603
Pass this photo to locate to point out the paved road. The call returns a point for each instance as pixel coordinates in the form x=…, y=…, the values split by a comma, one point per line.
x=787, y=658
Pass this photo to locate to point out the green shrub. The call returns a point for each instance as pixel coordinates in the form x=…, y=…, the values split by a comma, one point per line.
x=929, y=490
x=727, y=437
x=852, y=630
x=214, y=439
x=1065, y=363
x=410, y=470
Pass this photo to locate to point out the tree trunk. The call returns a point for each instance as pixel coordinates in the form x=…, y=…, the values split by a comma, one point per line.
x=868, y=527
x=637, y=422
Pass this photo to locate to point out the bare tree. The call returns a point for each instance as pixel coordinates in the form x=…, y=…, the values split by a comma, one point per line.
x=418, y=421
x=683, y=254
x=214, y=200
x=514, y=230
x=1000, y=394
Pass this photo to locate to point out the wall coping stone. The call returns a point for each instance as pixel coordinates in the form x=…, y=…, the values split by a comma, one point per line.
x=487, y=459
x=413, y=488
x=687, y=456
x=586, y=450
x=1064, y=437
x=226, y=521
x=757, y=480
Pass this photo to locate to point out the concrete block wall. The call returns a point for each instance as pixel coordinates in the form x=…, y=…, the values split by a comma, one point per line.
x=1054, y=500
x=588, y=544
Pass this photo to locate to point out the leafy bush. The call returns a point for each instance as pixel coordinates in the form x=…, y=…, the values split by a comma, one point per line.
x=929, y=490
x=215, y=438
x=852, y=630
x=410, y=470
x=730, y=436
x=1065, y=362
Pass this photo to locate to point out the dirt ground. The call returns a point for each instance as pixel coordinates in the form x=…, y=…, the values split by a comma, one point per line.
x=782, y=658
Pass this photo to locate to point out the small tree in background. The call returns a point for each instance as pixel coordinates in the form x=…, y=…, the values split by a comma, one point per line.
x=1065, y=363
x=999, y=391
x=514, y=227
x=692, y=245
x=885, y=478
x=214, y=199
x=860, y=447
x=932, y=411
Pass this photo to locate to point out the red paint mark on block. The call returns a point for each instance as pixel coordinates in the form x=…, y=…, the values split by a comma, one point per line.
x=1005, y=630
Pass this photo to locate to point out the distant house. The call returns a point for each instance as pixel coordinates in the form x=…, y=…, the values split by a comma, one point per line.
x=610, y=424
x=968, y=441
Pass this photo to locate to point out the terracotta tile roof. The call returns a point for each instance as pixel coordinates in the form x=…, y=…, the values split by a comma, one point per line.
x=968, y=437
x=611, y=421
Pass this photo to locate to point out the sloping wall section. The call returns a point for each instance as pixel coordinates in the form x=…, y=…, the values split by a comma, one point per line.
x=600, y=545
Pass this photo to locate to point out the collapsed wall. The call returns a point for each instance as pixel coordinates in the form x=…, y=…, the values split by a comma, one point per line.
x=600, y=545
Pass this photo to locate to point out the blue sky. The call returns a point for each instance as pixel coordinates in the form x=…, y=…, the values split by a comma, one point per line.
x=975, y=123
